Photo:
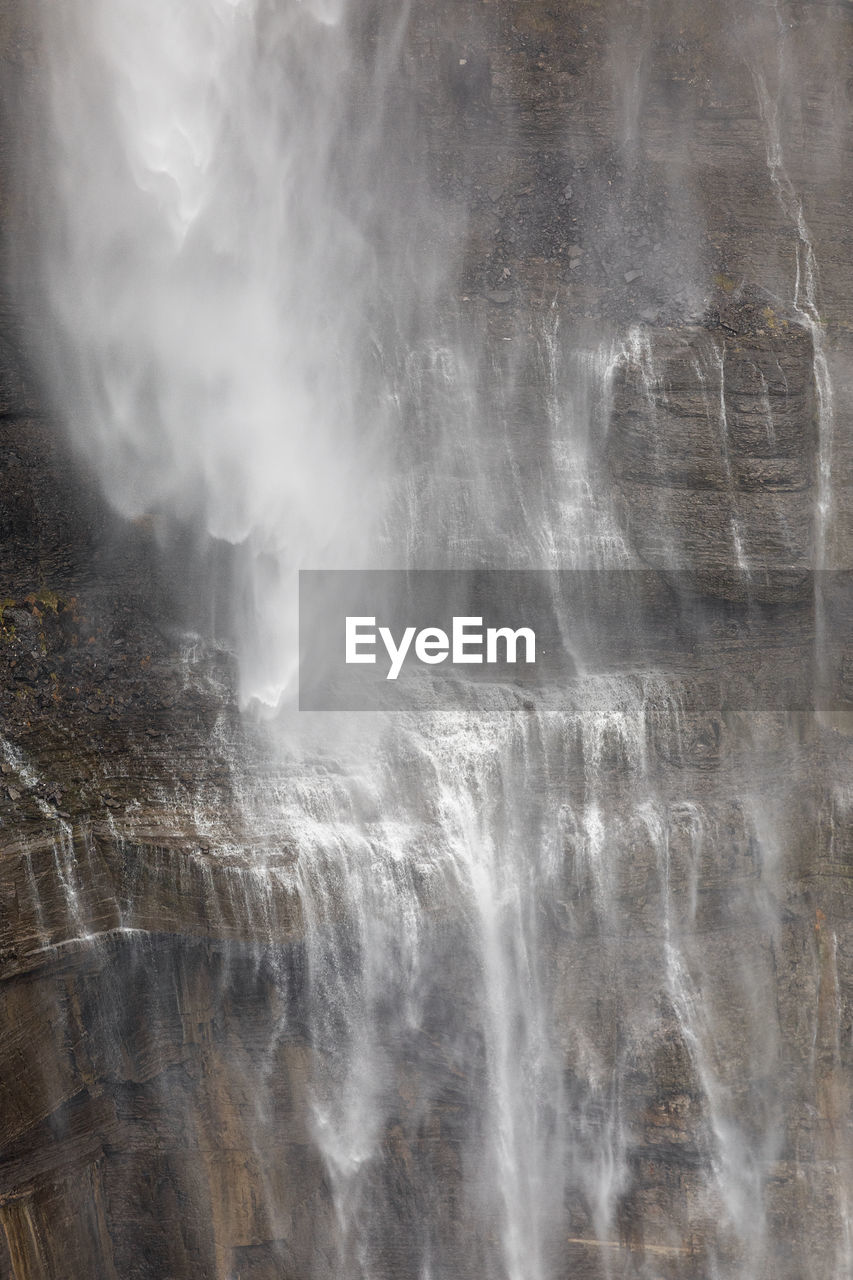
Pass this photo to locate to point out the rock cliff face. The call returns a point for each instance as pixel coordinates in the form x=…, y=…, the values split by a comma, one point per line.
x=714, y=446
x=647, y=174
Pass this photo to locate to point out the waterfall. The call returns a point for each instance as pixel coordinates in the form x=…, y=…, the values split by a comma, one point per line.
x=524, y=961
x=221, y=250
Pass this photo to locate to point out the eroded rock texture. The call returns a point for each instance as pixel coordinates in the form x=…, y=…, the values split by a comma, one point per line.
x=714, y=445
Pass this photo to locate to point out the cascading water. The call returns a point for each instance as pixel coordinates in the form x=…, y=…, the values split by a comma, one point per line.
x=539, y=934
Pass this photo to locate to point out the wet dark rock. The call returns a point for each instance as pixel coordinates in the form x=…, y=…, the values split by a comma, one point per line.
x=713, y=444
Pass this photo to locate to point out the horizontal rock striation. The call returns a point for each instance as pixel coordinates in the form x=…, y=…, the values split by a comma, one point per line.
x=713, y=443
